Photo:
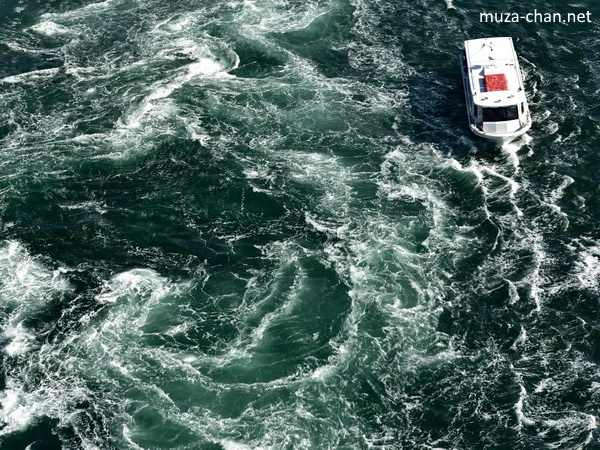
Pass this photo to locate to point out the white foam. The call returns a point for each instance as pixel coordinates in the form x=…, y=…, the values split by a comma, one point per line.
x=34, y=75
x=26, y=287
x=50, y=28
x=16, y=413
x=514, y=185
x=133, y=283
x=232, y=445
x=92, y=206
x=77, y=14
x=24, y=402
x=175, y=24
x=513, y=296
x=324, y=373
x=588, y=269
x=195, y=131
x=325, y=228
x=22, y=48
x=205, y=66
x=20, y=339
x=511, y=149
x=257, y=18
x=157, y=105
x=522, y=418
x=107, y=345
x=25, y=283
x=129, y=440
x=571, y=423
x=547, y=384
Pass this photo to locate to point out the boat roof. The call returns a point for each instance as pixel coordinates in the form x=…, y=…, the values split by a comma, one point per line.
x=493, y=71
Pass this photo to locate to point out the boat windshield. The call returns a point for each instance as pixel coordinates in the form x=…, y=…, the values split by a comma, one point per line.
x=500, y=114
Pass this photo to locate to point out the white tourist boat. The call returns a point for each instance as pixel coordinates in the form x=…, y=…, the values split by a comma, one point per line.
x=496, y=102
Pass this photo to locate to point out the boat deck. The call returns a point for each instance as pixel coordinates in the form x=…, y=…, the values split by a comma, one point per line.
x=493, y=72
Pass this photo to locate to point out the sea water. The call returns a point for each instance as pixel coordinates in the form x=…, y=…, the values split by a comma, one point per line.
x=265, y=224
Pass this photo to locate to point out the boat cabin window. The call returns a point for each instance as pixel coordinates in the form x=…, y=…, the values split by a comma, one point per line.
x=500, y=114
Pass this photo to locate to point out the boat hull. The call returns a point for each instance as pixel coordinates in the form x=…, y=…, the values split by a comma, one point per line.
x=489, y=94
x=500, y=138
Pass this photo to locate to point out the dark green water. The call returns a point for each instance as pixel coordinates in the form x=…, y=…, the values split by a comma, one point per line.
x=266, y=224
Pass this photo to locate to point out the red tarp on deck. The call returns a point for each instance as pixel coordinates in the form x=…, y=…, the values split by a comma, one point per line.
x=496, y=82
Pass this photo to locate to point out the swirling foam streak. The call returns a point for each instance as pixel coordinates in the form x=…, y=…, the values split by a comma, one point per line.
x=26, y=288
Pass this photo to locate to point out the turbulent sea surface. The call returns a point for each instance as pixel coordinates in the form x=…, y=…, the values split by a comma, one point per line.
x=266, y=224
